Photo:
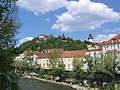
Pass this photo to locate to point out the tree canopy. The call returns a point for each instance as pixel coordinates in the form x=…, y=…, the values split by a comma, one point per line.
x=9, y=25
x=53, y=42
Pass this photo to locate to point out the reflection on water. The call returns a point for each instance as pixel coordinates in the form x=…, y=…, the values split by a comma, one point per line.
x=30, y=84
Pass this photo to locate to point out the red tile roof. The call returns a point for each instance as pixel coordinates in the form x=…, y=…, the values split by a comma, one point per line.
x=35, y=52
x=43, y=55
x=71, y=54
x=25, y=52
x=65, y=54
x=115, y=40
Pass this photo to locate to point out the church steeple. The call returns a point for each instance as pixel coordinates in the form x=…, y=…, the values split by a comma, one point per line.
x=90, y=38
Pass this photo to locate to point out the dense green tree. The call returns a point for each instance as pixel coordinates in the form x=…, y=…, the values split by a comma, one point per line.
x=53, y=42
x=110, y=63
x=102, y=69
x=78, y=71
x=8, y=29
x=92, y=73
x=41, y=72
x=56, y=65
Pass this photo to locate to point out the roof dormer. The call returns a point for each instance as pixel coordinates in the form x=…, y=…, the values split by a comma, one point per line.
x=113, y=40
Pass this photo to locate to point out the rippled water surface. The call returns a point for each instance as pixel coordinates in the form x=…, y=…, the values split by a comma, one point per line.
x=31, y=84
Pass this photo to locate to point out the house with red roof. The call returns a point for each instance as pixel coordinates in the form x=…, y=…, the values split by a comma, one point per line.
x=42, y=58
x=112, y=45
x=67, y=58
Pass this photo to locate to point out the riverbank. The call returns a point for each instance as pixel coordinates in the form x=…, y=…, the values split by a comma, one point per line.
x=74, y=86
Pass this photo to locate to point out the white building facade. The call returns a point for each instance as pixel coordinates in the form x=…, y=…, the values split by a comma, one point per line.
x=67, y=58
x=112, y=46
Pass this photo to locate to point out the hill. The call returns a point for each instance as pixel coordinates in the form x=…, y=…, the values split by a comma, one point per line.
x=42, y=43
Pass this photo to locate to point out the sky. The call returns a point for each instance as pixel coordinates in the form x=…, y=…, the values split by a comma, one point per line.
x=75, y=18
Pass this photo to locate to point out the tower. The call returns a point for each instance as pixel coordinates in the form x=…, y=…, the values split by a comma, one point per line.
x=90, y=38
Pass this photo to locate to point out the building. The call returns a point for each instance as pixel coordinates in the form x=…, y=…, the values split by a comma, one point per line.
x=67, y=58
x=42, y=59
x=43, y=37
x=95, y=50
x=112, y=45
x=33, y=54
x=90, y=38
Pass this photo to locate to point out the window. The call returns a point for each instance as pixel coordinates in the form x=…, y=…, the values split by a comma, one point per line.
x=118, y=53
x=44, y=64
x=68, y=65
x=118, y=46
x=47, y=64
x=114, y=46
x=105, y=48
x=111, y=47
x=69, y=59
x=112, y=41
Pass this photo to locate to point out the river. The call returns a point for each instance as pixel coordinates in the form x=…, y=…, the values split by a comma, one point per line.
x=31, y=84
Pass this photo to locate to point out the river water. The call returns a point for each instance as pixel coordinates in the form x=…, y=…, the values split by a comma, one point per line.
x=31, y=84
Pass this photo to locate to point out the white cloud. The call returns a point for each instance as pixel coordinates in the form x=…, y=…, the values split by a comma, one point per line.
x=41, y=6
x=25, y=40
x=47, y=19
x=85, y=15
x=115, y=30
x=103, y=37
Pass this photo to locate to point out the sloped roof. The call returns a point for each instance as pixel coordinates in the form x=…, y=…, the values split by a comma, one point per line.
x=26, y=52
x=71, y=54
x=35, y=52
x=115, y=39
x=43, y=55
x=65, y=54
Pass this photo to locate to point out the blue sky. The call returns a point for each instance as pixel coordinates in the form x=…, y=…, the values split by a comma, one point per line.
x=75, y=18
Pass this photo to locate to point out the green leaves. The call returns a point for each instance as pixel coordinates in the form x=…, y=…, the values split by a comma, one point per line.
x=102, y=69
x=8, y=30
x=57, y=65
x=60, y=42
